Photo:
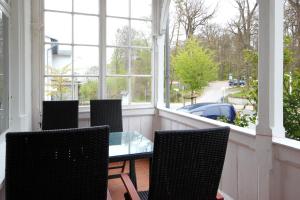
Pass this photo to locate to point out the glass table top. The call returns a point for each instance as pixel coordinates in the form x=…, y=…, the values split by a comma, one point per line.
x=129, y=144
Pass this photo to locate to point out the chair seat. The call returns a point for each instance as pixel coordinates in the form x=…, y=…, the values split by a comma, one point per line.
x=143, y=195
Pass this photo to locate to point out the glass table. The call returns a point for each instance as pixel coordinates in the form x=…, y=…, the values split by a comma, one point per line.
x=130, y=146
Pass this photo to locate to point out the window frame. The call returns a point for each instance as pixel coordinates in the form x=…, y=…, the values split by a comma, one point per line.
x=102, y=46
x=5, y=9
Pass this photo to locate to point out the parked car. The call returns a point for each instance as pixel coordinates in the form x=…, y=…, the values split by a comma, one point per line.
x=233, y=82
x=242, y=82
x=211, y=110
x=236, y=82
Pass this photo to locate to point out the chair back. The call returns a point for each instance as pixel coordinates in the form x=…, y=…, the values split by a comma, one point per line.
x=107, y=112
x=60, y=115
x=187, y=164
x=58, y=164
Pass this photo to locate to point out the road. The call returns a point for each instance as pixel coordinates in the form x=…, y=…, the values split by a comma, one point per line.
x=214, y=92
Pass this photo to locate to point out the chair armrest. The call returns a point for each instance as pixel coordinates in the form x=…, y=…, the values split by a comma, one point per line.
x=130, y=187
x=108, y=196
x=219, y=196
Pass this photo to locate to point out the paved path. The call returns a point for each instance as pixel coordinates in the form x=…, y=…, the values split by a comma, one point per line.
x=214, y=92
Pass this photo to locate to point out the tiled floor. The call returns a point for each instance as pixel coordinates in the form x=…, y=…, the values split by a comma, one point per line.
x=116, y=186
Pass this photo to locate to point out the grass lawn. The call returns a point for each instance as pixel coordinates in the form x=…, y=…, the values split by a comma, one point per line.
x=239, y=94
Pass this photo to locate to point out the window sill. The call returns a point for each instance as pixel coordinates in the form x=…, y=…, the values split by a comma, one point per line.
x=86, y=109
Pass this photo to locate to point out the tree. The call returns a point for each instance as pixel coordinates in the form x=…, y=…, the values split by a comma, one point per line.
x=245, y=27
x=292, y=28
x=192, y=14
x=221, y=42
x=140, y=62
x=194, y=66
x=291, y=104
x=245, y=30
x=60, y=85
x=88, y=91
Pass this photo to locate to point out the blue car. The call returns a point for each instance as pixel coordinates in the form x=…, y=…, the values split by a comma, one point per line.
x=211, y=110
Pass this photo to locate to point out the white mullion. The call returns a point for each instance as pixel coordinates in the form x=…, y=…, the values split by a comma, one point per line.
x=129, y=59
x=99, y=50
x=128, y=76
x=70, y=76
x=73, y=85
x=124, y=47
x=129, y=18
x=69, y=44
x=72, y=12
x=102, y=71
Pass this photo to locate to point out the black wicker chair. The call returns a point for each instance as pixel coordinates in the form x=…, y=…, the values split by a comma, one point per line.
x=60, y=115
x=108, y=112
x=187, y=165
x=57, y=165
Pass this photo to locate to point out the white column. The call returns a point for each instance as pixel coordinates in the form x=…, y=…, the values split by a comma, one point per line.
x=270, y=71
x=160, y=13
x=159, y=71
x=20, y=65
x=270, y=107
x=37, y=21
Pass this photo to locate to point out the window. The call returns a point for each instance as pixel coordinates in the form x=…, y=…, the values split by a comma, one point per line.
x=4, y=57
x=73, y=50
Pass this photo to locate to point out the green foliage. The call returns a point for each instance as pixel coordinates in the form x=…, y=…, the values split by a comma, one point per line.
x=289, y=54
x=291, y=105
x=242, y=120
x=251, y=92
x=223, y=119
x=115, y=87
x=88, y=91
x=60, y=85
x=251, y=59
x=194, y=66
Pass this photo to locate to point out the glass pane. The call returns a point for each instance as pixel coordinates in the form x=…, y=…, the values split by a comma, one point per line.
x=118, y=8
x=58, y=27
x=86, y=6
x=141, y=61
x=58, y=88
x=61, y=5
x=141, y=33
x=58, y=59
x=117, y=88
x=117, y=60
x=117, y=32
x=86, y=89
x=141, y=9
x=86, y=29
x=141, y=89
x=86, y=60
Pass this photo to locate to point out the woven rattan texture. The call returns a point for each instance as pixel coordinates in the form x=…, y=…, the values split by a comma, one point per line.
x=57, y=165
x=187, y=165
x=60, y=115
x=107, y=112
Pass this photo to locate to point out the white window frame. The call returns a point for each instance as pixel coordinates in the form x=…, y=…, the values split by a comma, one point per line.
x=5, y=8
x=102, y=56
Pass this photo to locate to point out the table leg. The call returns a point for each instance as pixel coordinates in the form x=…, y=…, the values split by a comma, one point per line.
x=132, y=172
x=150, y=167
